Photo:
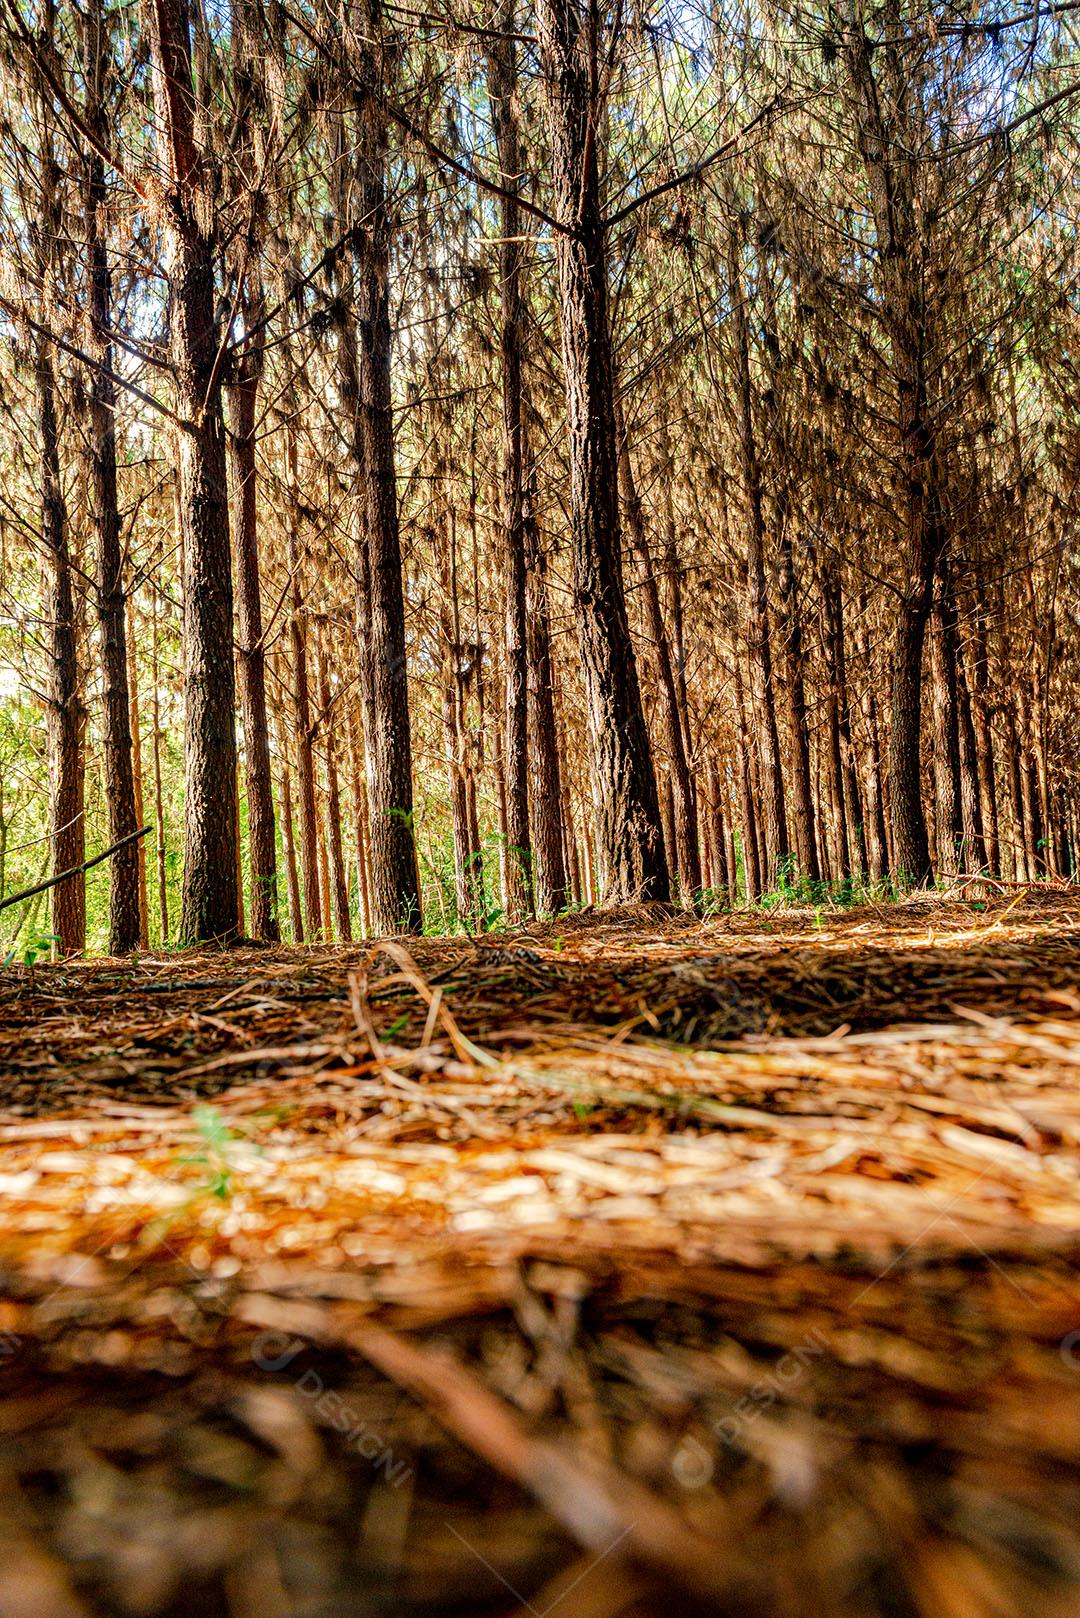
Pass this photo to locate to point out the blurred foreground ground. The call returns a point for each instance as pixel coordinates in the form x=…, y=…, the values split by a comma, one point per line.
x=630, y=1265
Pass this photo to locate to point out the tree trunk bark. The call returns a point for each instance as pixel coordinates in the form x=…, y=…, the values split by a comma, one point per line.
x=1029, y=787
x=137, y=780
x=891, y=169
x=832, y=750
x=356, y=776
x=250, y=654
x=729, y=837
x=573, y=863
x=970, y=805
x=63, y=715
x=210, y=905
x=125, y=927
x=499, y=786
x=395, y=896
x=723, y=879
x=624, y=784
x=547, y=796
x=250, y=651
x=763, y=701
x=977, y=680
x=751, y=861
x=682, y=851
x=876, y=832
x=305, y=758
x=326, y=929
x=502, y=83
x=465, y=897
x=159, y=804
x=911, y=848
x=667, y=810
x=673, y=580
x=853, y=810
x=793, y=660
x=338, y=883
x=296, y=913
x=1015, y=795
x=948, y=827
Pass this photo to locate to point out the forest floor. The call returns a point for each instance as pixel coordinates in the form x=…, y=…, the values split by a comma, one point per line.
x=626, y=1265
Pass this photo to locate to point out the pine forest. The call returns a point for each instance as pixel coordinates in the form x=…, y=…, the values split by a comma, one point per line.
x=539, y=808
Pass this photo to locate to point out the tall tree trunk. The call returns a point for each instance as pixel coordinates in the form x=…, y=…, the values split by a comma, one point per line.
x=499, y=785
x=943, y=649
x=546, y=795
x=681, y=787
x=326, y=927
x=137, y=780
x=977, y=681
x=159, y=804
x=210, y=906
x=763, y=701
x=335, y=846
x=876, y=832
x=1017, y=839
x=886, y=148
x=671, y=850
x=465, y=896
x=124, y=908
x=673, y=580
x=241, y=924
x=63, y=716
x=624, y=784
x=1029, y=788
x=911, y=848
x=970, y=804
x=707, y=847
x=789, y=606
x=573, y=863
x=729, y=842
x=305, y=758
x=250, y=655
x=853, y=810
x=723, y=878
x=1041, y=619
x=455, y=662
x=502, y=83
x=288, y=840
x=591, y=890
x=789, y=612
x=395, y=892
x=751, y=858
x=832, y=746
x=356, y=777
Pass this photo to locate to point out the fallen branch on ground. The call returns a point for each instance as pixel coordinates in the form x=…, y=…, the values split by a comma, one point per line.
x=54, y=881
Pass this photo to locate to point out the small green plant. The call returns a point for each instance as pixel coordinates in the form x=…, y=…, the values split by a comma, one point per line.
x=37, y=945
x=712, y=901
x=218, y=1141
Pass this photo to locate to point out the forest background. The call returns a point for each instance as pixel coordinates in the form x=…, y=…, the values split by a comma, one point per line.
x=457, y=462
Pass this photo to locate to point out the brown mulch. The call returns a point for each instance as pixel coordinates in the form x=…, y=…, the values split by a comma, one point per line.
x=626, y=1265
